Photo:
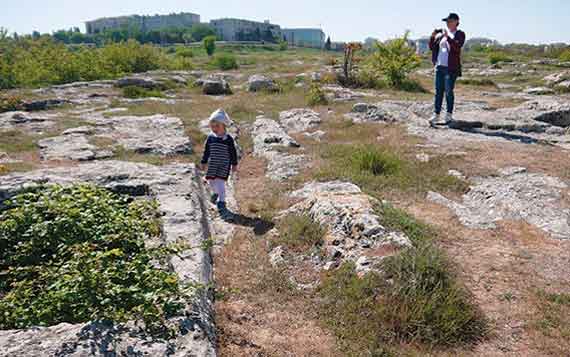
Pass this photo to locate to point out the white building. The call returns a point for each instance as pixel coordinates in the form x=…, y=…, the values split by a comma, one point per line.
x=229, y=29
x=304, y=37
x=143, y=23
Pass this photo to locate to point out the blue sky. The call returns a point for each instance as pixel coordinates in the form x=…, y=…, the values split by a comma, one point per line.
x=532, y=21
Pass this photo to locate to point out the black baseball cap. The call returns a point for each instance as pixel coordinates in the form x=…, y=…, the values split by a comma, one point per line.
x=451, y=16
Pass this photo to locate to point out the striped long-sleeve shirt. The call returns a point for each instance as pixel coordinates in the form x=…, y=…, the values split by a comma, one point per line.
x=220, y=154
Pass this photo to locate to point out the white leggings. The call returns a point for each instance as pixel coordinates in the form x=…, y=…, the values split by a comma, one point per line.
x=219, y=188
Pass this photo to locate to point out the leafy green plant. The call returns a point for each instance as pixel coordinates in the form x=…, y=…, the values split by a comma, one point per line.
x=565, y=56
x=316, y=96
x=225, y=61
x=74, y=254
x=133, y=92
x=300, y=232
x=210, y=44
x=499, y=57
x=394, y=61
x=43, y=61
x=184, y=52
x=283, y=45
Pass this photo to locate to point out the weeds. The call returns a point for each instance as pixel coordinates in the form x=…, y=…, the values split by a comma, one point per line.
x=480, y=82
x=499, y=57
x=415, y=299
x=379, y=169
x=300, y=233
x=554, y=315
x=225, y=61
x=88, y=263
x=316, y=96
x=10, y=103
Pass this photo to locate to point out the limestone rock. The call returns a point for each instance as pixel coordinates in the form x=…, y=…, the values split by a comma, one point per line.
x=316, y=135
x=70, y=147
x=337, y=93
x=298, y=120
x=259, y=82
x=539, y=91
x=271, y=142
x=178, y=191
x=556, y=78
x=277, y=256
x=516, y=195
x=156, y=134
x=353, y=227
x=25, y=121
x=139, y=81
x=216, y=87
x=564, y=86
x=43, y=104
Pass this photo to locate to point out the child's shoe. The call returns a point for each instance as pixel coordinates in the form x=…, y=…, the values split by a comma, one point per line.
x=224, y=212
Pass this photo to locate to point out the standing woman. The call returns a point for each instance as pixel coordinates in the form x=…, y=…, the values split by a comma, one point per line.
x=446, y=47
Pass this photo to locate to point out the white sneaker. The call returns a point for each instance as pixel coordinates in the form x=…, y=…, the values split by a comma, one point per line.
x=435, y=119
x=448, y=118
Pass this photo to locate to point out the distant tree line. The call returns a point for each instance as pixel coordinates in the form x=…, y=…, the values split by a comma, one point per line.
x=169, y=35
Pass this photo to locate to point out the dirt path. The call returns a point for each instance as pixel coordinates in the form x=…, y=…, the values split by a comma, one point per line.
x=258, y=312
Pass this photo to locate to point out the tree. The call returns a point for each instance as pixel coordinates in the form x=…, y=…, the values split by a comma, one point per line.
x=394, y=60
x=210, y=44
x=3, y=33
x=200, y=31
x=328, y=44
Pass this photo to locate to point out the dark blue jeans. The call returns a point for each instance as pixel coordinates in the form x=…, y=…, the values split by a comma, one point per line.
x=444, y=84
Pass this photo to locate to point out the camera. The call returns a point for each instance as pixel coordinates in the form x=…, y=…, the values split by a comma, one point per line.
x=438, y=30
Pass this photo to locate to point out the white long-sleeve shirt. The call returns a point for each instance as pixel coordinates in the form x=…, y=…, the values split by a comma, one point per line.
x=444, y=48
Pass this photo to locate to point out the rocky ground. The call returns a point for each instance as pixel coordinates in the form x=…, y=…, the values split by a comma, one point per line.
x=506, y=228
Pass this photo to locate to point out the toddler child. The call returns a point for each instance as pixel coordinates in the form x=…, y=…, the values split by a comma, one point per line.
x=220, y=157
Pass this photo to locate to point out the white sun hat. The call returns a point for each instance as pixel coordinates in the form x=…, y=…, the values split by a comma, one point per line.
x=220, y=116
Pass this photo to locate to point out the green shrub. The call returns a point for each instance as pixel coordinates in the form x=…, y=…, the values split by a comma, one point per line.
x=33, y=63
x=498, y=57
x=77, y=254
x=225, y=61
x=415, y=299
x=316, y=96
x=185, y=52
x=565, y=56
x=375, y=162
x=283, y=45
x=393, y=61
x=210, y=44
x=300, y=233
x=134, y=92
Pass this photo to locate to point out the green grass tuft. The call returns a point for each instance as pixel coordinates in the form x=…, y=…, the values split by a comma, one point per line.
x=300, y=233
x=377, y=169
